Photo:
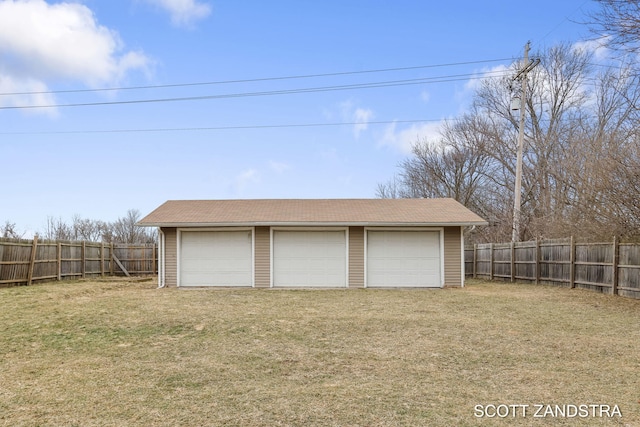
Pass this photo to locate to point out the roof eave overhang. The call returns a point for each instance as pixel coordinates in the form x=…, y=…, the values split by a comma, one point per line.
x=311, y=224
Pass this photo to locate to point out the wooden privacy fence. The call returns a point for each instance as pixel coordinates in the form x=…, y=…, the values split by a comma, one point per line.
x=603, y=267
x=22, y=261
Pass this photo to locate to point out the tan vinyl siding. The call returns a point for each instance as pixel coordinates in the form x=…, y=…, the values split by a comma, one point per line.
x=356, y=257
x=452, y=257
x=262, y=257
x=171, y=256
x=262, y=261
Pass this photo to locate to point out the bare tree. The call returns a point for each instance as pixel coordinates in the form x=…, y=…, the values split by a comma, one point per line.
x=57, y=229
x=126, y=231
x=617, y=25
x=456, y=165
x=88, y=229
x=581, y=157
x=556, y=98
x=604, y=161
x=10, y=231
x=393, y=189
x=123, y=230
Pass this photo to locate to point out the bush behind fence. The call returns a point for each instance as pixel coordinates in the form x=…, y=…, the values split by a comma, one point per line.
x=602, y=267
x=23, y=262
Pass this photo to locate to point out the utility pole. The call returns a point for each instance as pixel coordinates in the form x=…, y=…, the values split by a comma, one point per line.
x=522, y=76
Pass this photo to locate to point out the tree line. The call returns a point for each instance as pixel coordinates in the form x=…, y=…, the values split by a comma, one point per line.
x=581, y=162
x=122, y=230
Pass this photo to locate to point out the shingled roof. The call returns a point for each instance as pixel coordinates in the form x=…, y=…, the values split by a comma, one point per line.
x=192, y=213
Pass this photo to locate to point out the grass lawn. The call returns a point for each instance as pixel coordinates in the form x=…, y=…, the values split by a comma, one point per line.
x=118, y=353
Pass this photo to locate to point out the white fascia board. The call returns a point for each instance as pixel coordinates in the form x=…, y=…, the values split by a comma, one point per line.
x=311, y=224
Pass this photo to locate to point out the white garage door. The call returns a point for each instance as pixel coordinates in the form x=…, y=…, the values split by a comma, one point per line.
x=309, y=258
x=215, y=258
x=403, y=259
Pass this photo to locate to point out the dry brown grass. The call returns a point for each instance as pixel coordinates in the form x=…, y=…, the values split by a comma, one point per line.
x=124, y=353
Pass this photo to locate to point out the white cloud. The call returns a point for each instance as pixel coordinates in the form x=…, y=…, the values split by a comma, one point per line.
x=41, y=42
x=361, y=116
x=464, y=94
x=279, y=167
x=403, y=139
x=329, y=153
x=184, y=13
x=245, y=179
x=31, y=93
x=475, y=83
x=595, y=47
x=62, y=41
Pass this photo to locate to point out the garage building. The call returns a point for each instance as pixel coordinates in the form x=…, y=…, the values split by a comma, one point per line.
x=318, y=243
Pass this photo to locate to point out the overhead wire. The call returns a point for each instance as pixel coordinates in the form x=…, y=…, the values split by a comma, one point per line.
x=562, y=22
x=253, y=80
x=356, y=86
x=215, y=128
x=391, y=83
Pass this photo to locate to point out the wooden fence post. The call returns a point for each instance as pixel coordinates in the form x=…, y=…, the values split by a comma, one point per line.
x=83, y=259
x=537, y=261
x=616, y=261
x=490, y=261
x=32, y=260
x=111, y=260
x=475, y=260
x=153, y=258
x=59, y=261
x=102, y=259
x=513, y=261
x=572, y=264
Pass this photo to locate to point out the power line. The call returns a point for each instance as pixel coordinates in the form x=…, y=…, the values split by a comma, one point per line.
x=261, y=79
x=566, y=19
x=215, y=128
x=391, y=83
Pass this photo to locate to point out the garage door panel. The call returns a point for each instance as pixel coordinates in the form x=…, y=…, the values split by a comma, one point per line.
x=403, y=259
x=216, y=258
x=309, y=258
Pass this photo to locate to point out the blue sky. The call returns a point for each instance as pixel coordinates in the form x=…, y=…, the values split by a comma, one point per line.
x=98, y=161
